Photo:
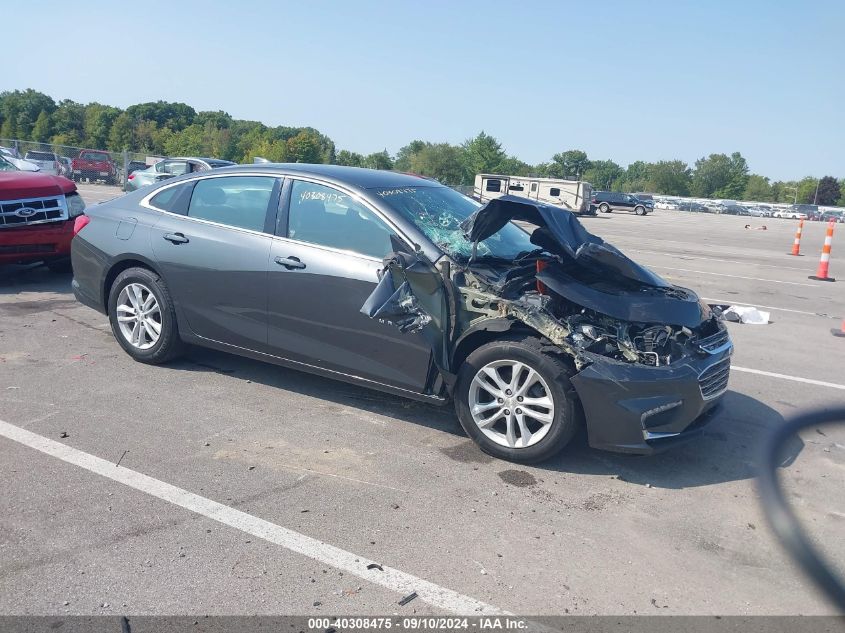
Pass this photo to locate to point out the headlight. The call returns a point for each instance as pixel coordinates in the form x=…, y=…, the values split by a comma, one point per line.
x=75, y=204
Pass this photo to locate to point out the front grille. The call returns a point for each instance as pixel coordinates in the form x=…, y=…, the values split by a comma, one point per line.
x=32, y=211
x=714, y=342
x=713, y=381
x=19, y=249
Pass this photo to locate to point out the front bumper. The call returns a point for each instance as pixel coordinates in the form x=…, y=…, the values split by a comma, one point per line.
x=642, y=410
x=38, y=242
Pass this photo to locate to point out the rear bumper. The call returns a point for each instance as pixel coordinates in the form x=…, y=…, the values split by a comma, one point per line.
x=36, y=243
x=643, y=410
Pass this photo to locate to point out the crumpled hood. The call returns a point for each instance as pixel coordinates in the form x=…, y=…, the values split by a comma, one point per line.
x=559, y=232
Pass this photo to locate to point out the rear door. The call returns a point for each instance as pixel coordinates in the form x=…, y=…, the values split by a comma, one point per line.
x=212, y=245
x=322, y=268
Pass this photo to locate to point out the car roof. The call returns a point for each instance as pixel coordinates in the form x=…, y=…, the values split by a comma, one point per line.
x=355, y=176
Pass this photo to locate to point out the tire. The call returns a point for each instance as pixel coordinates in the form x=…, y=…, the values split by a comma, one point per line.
x=168, y=344
x=553, y=384
x=640, y=210
x=604, y=207
x=59, y=265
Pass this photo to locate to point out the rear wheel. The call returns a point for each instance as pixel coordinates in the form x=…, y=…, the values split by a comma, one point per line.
x=604, y=207
x=515, y=400
x=142, y=316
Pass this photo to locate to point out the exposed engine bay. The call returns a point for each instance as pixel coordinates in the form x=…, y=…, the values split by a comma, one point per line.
x=579, y=292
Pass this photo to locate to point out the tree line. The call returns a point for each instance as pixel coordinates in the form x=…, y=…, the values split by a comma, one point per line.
x=177, y=129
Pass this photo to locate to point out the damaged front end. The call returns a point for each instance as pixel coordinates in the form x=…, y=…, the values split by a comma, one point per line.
x=650, y=358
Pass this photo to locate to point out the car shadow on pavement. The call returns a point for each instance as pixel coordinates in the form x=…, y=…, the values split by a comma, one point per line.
x=728, y=450
x=33, y=278
x=440, y=418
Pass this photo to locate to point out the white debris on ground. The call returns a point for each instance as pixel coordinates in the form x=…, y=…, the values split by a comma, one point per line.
x=746, y=314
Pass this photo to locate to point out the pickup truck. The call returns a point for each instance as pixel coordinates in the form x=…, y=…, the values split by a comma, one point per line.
x=39, y=215
x=94, y=165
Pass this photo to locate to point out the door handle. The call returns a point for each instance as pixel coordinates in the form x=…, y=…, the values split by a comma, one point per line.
x=176, y=238
x=291, y=263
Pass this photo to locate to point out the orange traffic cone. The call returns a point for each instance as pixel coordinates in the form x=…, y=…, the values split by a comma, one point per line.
x=824, y=262
x=840, y=332
x=796, y=245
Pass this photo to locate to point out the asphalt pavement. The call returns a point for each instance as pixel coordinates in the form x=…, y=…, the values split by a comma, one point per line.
x=245, y=488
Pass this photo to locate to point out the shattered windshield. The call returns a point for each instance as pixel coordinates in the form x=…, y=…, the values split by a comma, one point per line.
x=439, y=211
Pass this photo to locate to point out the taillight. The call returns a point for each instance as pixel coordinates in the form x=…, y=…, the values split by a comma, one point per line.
x=80, y=223
x=131, y=176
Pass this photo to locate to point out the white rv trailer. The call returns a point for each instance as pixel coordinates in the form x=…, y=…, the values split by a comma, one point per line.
x=573, y=195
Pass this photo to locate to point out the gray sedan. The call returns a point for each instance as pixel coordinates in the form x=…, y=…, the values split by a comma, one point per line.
x=170, y=167
x=399, y=284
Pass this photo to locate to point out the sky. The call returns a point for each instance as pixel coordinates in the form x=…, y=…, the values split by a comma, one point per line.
x=620, y=80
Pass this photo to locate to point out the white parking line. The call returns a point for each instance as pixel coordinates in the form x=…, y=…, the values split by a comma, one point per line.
x=704, y=272
x=771, y=374
x=757, y=305
x=716, y=259
x=390, y=578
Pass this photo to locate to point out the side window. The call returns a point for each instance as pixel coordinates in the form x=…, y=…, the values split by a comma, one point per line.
x=176, y=167
x=173, y=199
x=516, y=188
x=328, y=217
x=239, y=201
x=160, y=166
x=493, y=185
x=554, y=192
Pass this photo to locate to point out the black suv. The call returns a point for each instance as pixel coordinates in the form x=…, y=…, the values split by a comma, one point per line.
x=609, y=201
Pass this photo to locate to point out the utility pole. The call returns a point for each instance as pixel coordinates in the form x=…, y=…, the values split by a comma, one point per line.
x=816, y=195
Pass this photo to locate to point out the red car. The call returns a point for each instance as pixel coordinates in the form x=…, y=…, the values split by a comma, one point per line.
x=94, y=165
x=39, y=215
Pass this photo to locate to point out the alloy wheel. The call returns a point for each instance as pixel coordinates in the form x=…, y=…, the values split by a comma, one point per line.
x=511, y=403
x=139, y=316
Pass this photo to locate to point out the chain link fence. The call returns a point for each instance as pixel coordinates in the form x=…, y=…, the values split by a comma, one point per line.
x=77, y=163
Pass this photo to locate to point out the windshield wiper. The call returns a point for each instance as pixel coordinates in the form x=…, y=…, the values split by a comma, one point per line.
x=528, y=254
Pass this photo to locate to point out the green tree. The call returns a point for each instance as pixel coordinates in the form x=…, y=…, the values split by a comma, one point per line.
x=378, y=160
x=349, y=159
x=441, y=161
x=21, y=109
x=512, y=166
x=636, y=177
x=41, y=131
x=98, y=122
x=121, y=134
x=807, y=190
x=758, y=189
x=670, y=177
x=483, y=154
x=602, y=174
x=304, y=148
x=69, y=123
x=274, y=150
x=403, y=157
x=710, y=175
x=829, y=191
x=570, y=164
x=219, y=119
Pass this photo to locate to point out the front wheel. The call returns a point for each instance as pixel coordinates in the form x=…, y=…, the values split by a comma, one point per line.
x=515, y=400
x=142, y=316
x=640, y=210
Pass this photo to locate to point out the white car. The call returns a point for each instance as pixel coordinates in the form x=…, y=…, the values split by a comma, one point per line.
x=20, y=163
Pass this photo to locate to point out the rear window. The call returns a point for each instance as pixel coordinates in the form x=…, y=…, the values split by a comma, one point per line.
x=94, y=156
x=40, y=156
x=174, y=199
